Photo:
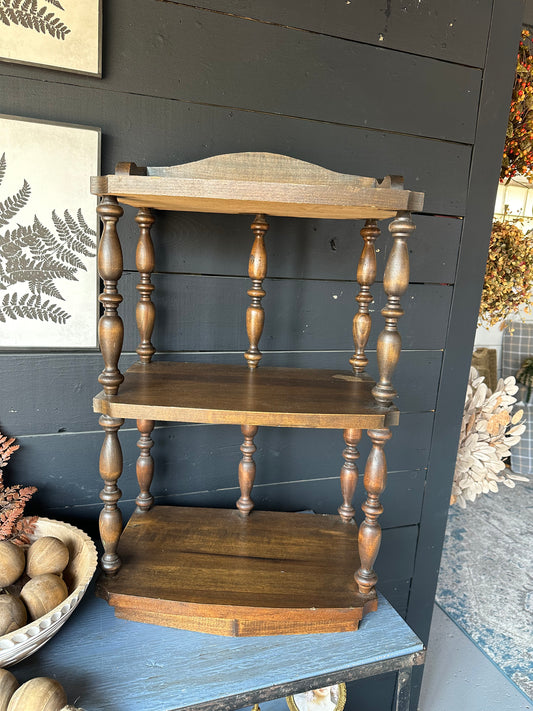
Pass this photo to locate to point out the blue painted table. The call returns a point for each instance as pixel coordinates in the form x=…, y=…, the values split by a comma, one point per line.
x=108, y=664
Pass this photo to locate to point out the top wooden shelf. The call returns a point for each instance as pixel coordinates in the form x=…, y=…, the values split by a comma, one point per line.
x=253, y=183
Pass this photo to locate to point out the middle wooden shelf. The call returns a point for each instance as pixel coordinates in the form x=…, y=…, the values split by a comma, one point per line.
x=232, y=394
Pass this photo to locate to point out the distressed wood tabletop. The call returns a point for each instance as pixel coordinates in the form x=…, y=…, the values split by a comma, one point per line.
x=107, y=664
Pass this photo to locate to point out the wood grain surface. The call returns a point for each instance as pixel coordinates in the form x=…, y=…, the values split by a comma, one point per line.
x=256, y=182
x=175, y=669
x=444, y=35
x=305, y=75
x=212, y=570
x=215, y=394
x=58, y=383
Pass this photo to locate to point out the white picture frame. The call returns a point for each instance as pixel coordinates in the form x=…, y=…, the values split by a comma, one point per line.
x=48, y=235
x=56, y=34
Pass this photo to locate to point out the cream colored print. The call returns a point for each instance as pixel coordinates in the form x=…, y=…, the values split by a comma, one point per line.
x=48, y=280
x=62, y=34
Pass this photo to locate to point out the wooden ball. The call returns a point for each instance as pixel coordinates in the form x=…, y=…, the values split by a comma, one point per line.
x=39, y=694
x=12, y=562
x=8, y=686
x=42, y=593
x=46, y=555
x=12, y=613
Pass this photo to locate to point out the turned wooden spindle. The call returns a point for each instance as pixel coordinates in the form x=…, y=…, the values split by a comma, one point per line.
x=349, y=474
x=110, y=326
x=370, y=531
x=395, y=282
x=366, y=275
x=145, y=262
x=257, y=269
x=247, y=469
x=145, y=465
x=110, y=470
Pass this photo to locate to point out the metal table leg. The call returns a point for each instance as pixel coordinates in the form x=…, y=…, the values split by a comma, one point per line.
x=403, y=689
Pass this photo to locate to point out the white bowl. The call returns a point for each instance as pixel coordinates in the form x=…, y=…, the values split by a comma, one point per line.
x=16, y=646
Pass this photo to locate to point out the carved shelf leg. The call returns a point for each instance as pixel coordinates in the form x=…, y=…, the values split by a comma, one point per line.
x=349, y=474
x=145, y=465
x=395, y=282
x=247, y=469
x=145, y=262
x=370, y=530
x=110, y=471
x=110, y=326
x=257, y=269
x=366, y=275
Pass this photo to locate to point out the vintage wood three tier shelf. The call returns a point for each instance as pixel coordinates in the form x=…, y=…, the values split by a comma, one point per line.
x=244, y=572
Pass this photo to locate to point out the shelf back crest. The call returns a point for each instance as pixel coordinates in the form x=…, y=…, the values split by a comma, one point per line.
x=255, y=182
x=261, y=168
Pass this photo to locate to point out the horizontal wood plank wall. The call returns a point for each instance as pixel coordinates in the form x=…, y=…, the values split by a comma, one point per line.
x=283, y=70
x=443, y=31
x=331, y=246
x=364, y=88
x=300, y=315
x=195, y=131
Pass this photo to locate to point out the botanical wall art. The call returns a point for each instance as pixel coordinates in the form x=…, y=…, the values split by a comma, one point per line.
x=62, y=34
x=48, y=229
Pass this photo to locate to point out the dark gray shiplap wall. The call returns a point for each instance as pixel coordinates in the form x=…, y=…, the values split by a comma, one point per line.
x=418, y=89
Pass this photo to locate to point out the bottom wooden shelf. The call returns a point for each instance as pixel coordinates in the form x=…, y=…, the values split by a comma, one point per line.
x=211, y=570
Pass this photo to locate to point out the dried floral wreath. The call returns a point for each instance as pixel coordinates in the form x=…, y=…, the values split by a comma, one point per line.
x=488, y=431
x=518, y=153
x=509, y=274
x=13, y=499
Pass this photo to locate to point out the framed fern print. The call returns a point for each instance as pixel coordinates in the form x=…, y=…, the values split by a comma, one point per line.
x=60, y=34
x=48, y=234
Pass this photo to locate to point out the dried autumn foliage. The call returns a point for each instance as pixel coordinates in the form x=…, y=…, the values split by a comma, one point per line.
x=518, y=151
x=488, y=431
x=13, y=500
x=509, y=274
